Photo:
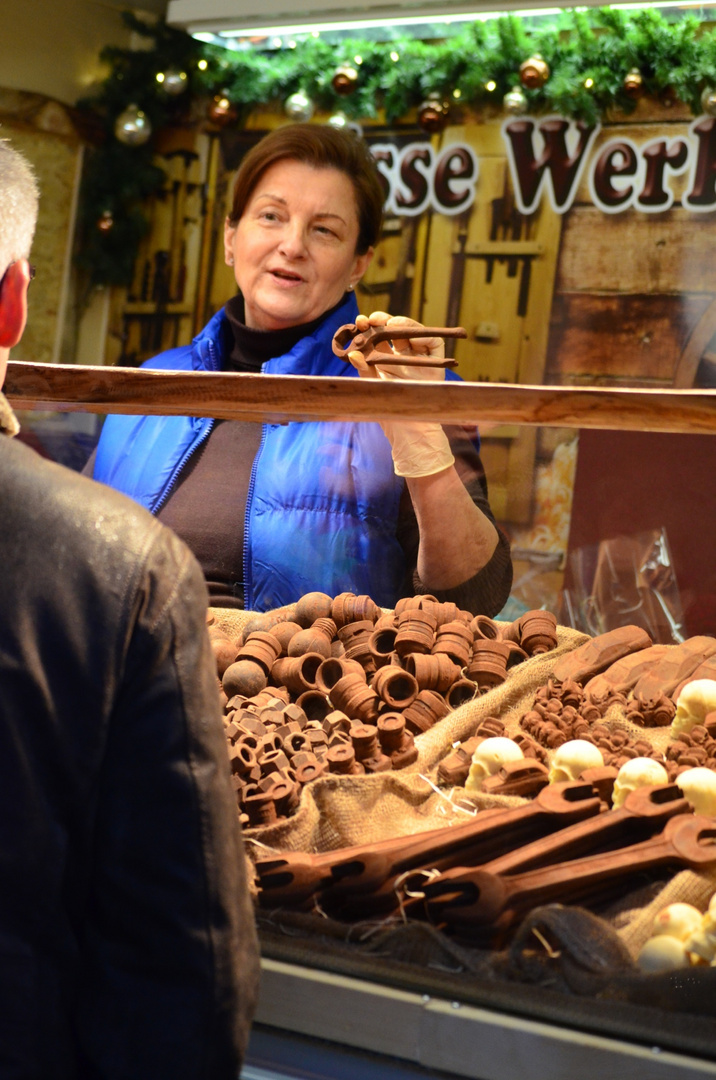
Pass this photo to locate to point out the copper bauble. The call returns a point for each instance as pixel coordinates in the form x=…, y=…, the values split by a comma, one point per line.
x=106, y=221
x=534, y=72
x=633, y=84
x=221, y=111
x=345, y=80
x=433, y=115
x=132, y=127
x=515, y=101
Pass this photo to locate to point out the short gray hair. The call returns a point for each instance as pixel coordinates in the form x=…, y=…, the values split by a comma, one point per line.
x=18, y=205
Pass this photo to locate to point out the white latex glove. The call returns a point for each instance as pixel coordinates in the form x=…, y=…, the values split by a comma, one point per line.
x=420, y=448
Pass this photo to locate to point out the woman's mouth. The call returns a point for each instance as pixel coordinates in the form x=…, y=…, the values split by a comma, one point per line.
x=286, y=275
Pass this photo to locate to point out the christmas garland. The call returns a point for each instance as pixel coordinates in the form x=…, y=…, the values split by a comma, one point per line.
x=580, y=64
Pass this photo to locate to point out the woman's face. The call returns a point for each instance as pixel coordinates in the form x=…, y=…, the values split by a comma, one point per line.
x=293, y=249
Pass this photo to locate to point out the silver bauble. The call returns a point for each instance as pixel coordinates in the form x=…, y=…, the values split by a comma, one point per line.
x=515, y=101
x=708, y=101
x=132, y=127
x=299, y=107
x=175, y=82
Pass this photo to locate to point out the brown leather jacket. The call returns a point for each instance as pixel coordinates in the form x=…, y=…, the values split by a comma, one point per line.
x=127, y=942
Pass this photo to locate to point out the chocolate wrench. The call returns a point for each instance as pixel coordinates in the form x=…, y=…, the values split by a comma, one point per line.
x=293, y=877
x=348, y=338
x=476, y=900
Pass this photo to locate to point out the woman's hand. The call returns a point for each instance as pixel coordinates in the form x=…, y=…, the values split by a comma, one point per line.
x=456, y=539
x=419, y=448
x=401, y=343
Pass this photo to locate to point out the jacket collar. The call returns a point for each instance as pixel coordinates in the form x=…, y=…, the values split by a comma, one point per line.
x=8, y=420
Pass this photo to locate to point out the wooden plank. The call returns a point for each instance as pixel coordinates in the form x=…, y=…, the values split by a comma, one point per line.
x=638, y=339
x=450, y=1036
x=637, y=253
x=281, y=398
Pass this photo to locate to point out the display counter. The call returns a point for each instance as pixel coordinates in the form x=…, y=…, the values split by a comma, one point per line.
x=432, y=1014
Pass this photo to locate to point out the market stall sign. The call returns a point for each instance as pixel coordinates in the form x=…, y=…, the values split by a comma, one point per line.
x=550, y=157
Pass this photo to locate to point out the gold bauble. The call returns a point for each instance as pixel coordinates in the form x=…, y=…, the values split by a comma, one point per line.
x=633, y=84
x=708, y=101
x=534, y=72
x=515, y=101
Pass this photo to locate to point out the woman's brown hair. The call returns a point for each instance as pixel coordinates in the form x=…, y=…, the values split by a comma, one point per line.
x=322, y=147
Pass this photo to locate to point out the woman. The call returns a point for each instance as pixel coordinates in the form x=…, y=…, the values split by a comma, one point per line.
x=275, y=511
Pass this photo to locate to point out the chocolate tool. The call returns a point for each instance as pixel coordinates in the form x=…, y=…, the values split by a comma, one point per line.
x=293, y=877
x=348, y=338
x=476, y=901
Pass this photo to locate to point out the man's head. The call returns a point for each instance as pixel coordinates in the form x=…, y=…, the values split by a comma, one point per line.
x=18, y=214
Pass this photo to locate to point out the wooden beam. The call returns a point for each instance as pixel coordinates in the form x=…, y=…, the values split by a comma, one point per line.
x=279, y=398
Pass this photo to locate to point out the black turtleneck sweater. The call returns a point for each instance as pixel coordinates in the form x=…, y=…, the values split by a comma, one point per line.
x=208, y=503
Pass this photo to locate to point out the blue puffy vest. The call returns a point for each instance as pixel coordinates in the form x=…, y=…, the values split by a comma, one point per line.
x=323, y=500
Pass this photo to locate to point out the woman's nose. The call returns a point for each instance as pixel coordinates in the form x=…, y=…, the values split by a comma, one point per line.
x=293, y=240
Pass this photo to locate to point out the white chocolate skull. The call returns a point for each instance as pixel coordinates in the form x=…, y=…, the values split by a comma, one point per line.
x=699, y=787
x=693, y=703
x=572, y=758
x=703, y=941
x=639, y=772
x=662, y=953
x=488, y=759
x=678, y=921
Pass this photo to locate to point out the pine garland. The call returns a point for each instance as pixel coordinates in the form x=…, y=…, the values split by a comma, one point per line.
x=588, y=52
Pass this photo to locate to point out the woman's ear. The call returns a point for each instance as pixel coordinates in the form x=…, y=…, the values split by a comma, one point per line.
x=360, y=265
x=229, y=234
x=13, y=303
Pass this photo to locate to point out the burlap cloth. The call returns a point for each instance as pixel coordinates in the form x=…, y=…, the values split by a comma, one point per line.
x=340, y=811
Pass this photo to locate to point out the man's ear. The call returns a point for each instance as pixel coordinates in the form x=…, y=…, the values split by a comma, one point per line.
x=13, y=303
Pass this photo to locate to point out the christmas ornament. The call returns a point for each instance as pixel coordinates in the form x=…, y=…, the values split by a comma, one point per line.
x=106, y=221
x=708, y=101
x=633, y=84
x=132, y=127
x=345, y=80
x=174, y=82
x=515, y=101
x=340, y=120
x=534, y=72
x=433, y=114
x=221, y=111
x=298, y=107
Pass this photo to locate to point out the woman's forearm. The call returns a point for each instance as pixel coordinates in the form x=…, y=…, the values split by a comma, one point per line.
x=456, y=539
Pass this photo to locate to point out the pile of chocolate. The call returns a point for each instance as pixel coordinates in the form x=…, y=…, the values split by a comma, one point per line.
x=335, y=685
